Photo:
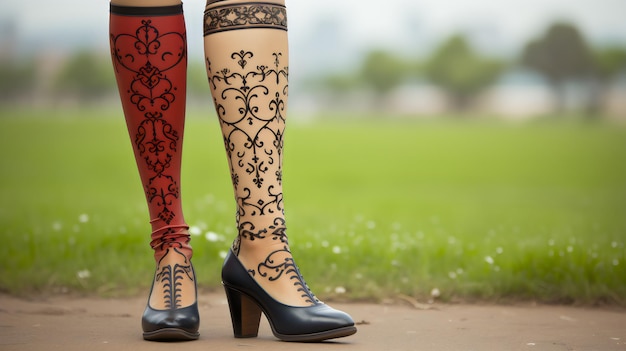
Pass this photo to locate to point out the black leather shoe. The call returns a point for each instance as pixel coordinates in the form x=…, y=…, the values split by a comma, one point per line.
x=173, y=324
x=247, y=299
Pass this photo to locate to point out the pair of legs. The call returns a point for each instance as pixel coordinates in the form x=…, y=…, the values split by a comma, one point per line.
x=246, y=57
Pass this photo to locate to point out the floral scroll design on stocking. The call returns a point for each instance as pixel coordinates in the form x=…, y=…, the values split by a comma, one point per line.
x=250, y=100
x=280, y=263
x=149, y=55
x=250, y=103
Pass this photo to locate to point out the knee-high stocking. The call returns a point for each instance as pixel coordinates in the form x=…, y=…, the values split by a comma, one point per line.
x=247, y=65
x=149, y=52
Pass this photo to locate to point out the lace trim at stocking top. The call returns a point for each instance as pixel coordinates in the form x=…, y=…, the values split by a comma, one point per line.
x=221, y=16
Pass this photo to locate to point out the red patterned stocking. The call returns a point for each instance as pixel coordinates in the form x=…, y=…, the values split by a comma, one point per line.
x=149, y=51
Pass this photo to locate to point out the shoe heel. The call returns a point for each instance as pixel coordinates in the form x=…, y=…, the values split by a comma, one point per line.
x=245, y=314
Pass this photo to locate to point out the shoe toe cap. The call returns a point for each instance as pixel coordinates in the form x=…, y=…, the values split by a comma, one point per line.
x=184, y=318
x=314, y=319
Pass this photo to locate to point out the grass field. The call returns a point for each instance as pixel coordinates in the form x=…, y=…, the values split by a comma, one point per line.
x=477, y=210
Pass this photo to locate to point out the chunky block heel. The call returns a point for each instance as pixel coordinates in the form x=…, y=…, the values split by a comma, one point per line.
x=247, y=299
x=244, y=312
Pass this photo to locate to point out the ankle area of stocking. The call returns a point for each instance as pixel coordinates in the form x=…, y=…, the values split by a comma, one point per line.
x=170, y=237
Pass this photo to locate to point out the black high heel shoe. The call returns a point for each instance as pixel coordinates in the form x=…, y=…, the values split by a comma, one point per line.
x=174, y=324
x=247, y=299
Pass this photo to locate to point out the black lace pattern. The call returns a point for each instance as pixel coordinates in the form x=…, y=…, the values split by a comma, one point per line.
x=244, y=15
x=251, y=109
x=149, y=54
x=171, y=278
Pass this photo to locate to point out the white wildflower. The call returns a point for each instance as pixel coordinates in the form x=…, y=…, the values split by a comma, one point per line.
x=212, y=237
x=209, y=198
x=435, y=292
x=489, y=259
x=83, y=274
x=336, y=250
x=57, y=226
x=83, y=218
x=340, y=290
x=195, y=230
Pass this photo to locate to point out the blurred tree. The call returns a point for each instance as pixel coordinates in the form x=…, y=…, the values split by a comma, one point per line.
x=17, y=79
x=334, y=87
x=197, y=81
x=608, y=63
x=338, y=83
x=87, y=76
x=461, y=71
x=382, y=71
x=562, y=54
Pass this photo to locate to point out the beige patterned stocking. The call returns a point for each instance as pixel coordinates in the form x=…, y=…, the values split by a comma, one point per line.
x=247, y=66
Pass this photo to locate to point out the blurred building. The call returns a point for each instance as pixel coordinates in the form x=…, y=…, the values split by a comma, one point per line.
x=615, y=99
x=418, y=98
x=517, y=94
x=8, y=38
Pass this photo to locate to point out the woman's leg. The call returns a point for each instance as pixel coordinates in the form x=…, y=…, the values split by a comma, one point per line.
x=247, y=63
x=149, y=52
x=247, y=66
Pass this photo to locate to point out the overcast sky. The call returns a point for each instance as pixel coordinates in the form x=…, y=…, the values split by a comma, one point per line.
x=493, y=23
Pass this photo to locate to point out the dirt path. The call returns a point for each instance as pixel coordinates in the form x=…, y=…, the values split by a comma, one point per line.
x=62, y=323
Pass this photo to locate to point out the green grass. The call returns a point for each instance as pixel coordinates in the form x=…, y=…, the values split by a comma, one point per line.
x=479, y=210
